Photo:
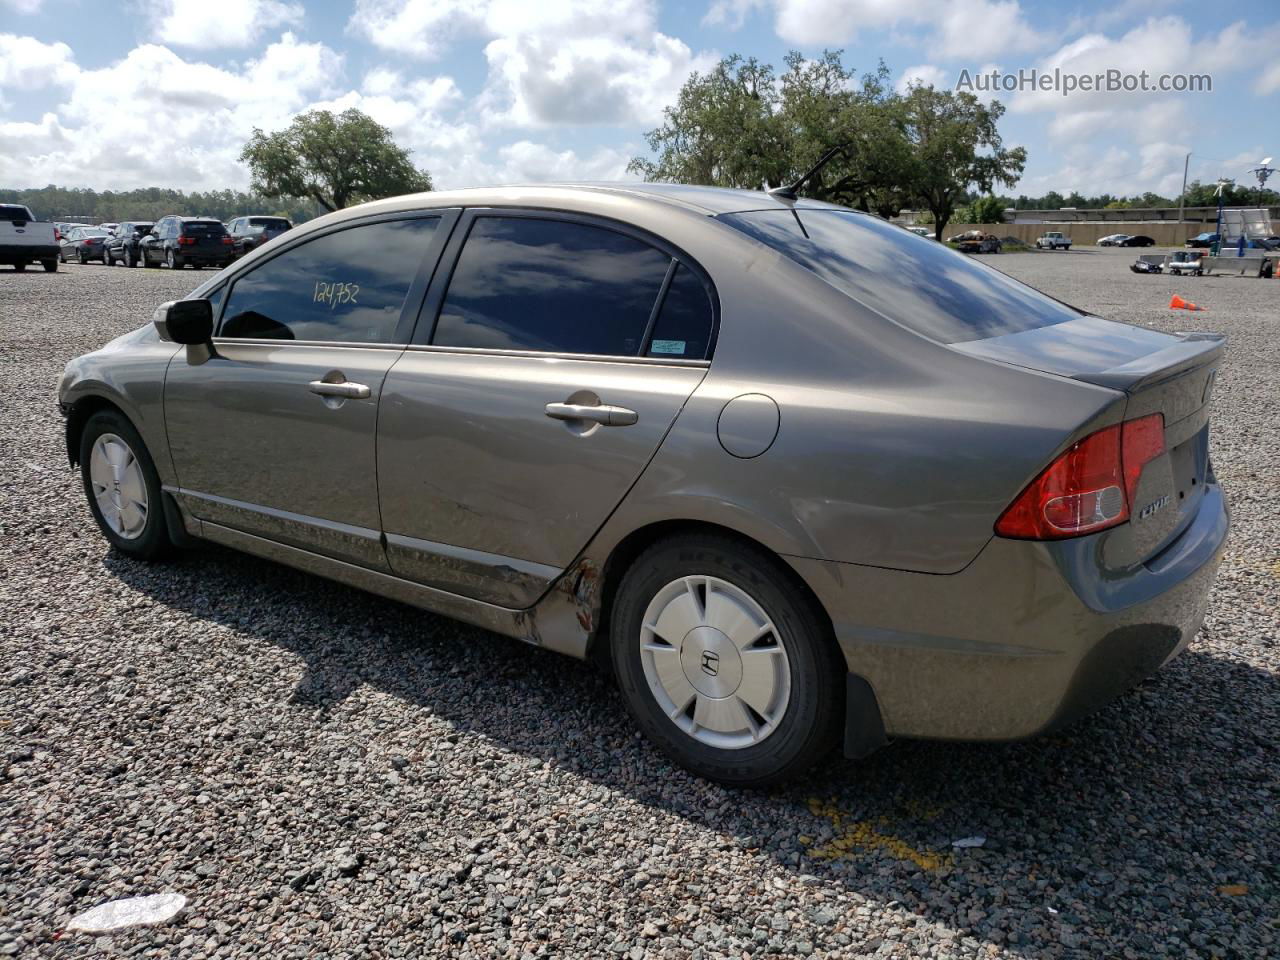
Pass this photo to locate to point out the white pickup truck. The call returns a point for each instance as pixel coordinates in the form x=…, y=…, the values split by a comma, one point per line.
x=24, y=240
x=1053, y=241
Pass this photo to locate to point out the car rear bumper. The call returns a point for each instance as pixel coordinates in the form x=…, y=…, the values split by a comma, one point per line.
x=26, y=253
x=1026, y=638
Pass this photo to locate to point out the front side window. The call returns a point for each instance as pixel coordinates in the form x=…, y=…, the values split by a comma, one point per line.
x=914, y=281
x=550, y=285
x=348, y=286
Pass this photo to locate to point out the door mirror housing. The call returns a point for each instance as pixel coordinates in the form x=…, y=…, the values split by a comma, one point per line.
x=184, y=321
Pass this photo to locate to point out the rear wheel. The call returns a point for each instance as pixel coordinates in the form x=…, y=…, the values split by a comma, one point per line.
x=173, y=260
x=81, y=257
x=19, y=267
x=724, y=661
x=50, y=265
x=123, y=488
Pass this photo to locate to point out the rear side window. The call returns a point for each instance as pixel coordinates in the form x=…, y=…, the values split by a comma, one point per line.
x=683, y=327
x=912, y=280
x=15, y=213
x=347, y=286
x=550, y=285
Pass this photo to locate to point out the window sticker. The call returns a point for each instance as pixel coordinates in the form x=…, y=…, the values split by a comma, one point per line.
x=335, y=293
x=667, y=346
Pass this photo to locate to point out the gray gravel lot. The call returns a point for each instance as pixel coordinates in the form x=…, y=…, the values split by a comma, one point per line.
x=327, y=774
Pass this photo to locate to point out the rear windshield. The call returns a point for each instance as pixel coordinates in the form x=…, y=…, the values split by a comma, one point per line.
x=915, y=281
x=275, y=223
x=202, y=227
x=15, y=213
x=94, y=232
x=142, y=227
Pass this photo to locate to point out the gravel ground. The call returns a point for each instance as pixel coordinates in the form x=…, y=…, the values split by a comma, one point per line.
x=323, y=773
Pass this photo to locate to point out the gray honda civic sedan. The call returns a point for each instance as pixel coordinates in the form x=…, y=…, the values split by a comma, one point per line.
x=806, y=477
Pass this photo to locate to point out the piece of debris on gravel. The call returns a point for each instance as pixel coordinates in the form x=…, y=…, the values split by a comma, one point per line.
x=322, y=773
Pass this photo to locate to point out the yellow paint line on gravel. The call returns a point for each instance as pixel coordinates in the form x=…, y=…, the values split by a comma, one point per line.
x=852, y=836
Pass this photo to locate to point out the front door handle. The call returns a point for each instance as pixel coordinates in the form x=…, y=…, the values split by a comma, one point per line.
x=603, y=414
x=347, y=389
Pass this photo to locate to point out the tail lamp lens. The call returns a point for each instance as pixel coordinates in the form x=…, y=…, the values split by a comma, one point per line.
x=1089, y=487
x=186, y=241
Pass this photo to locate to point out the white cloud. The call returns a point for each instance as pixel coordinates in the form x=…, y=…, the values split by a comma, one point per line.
x=181, y=123
x=970, y=30
x=731, y=13
x=1269, y=80
x=224, y=23
x=566, y=62
x=23, y=6
x=28, y=64
x=924, y=75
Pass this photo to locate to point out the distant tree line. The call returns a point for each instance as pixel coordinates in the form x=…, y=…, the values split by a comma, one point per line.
x=151, y=203
x=1198, y=195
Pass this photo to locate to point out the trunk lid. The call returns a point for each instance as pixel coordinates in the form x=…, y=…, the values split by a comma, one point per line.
x=1169, y=374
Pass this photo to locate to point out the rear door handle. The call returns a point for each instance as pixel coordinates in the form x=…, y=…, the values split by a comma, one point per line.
x=603, y=414
x=353, y=391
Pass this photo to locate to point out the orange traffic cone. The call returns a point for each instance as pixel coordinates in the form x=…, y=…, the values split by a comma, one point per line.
x=1177, y=303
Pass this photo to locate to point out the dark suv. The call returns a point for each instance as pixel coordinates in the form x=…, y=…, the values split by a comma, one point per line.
x=178, y=241
x=248, y=233
x=123, y=244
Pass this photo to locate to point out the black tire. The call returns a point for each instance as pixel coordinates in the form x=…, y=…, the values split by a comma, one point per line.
x=84, y=261
x=811, y=724
x=153, y=543
x=129, y=259
x=50, y=265
x=107, y=259
x=19, y=267
x=146, y=262
x=173, y=260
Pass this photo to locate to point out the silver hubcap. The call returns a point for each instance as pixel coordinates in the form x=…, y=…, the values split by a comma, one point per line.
x=118, y=487
x=714, y=662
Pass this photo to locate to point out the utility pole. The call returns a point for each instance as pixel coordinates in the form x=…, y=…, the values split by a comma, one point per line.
x=1182, y=197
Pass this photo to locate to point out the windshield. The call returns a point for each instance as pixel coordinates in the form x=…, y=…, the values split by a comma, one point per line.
x=94, y=232
x=916, y=282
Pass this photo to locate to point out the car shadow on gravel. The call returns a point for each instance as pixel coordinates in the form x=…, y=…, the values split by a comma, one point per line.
x=1148, y=828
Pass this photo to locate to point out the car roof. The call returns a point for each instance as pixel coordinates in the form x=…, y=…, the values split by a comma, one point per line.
x=710, y=201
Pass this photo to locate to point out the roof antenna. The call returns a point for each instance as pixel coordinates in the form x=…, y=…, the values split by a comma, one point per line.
x=792, y=191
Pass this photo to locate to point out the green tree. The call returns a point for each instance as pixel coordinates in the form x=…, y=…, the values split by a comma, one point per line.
x=335, y=160
x=955, y=145
x=988, y=209
x=741, y=125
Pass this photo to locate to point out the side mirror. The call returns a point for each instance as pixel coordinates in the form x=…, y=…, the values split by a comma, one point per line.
x=184, y=321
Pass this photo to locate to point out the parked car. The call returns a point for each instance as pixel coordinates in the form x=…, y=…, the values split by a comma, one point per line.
x=1053, y=240
x=921, y=231
x=178, y=242
x=1203, y=240
x=566, y=414
x=1112, y=240
x=24, y=239
x=975, y=241
x=123, y=245
x=83, y=244
x=1137, y=241
x=248, y=233
x=109, y=227
x=1185, y=263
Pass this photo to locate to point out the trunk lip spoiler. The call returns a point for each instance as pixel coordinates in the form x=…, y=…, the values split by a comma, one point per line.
x=1192, y=350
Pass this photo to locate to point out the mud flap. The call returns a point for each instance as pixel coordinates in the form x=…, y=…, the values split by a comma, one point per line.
x=863, y=726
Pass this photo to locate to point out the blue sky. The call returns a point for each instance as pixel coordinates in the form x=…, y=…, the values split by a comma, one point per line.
x=164, y=92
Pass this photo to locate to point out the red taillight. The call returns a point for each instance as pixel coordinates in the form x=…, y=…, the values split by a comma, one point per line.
x=1090, y=487
x=227, y=241
x=186, y=241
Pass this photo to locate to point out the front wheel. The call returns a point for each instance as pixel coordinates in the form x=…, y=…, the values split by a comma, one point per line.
x=725, y=662
x=129, y=259
x=19, y=267
x=123, y=487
